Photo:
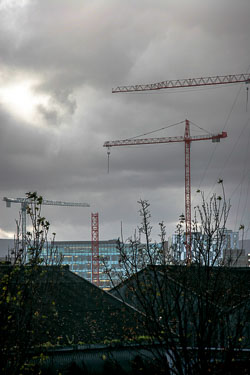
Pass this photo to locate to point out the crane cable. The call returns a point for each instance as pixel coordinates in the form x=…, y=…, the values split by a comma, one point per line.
x=216, y=145
x=142, y=135
x=225, y=125
x=197, y=126
x=241, y=182
x=157, y=130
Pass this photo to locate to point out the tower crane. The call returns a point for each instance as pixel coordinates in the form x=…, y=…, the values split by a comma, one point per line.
x=187, y=139
x=26, y=201
x=185, y=83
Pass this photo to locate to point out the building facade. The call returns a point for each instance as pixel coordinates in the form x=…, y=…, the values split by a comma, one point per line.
x=226, y=240
x=78, y=255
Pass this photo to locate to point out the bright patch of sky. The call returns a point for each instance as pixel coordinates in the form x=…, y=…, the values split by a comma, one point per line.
x=21, y=100
x=7, y=4
x=5, y=234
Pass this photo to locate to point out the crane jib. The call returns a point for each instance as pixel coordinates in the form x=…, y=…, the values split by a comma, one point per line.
x=145, y=141
x=44, y=202
x=186, y=82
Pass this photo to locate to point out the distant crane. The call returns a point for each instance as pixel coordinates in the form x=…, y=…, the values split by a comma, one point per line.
x=186, y=83
x=26, y=201
x=187, y=139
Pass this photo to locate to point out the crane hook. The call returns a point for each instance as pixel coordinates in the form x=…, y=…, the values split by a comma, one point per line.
x=247, y=99
x=108, y=153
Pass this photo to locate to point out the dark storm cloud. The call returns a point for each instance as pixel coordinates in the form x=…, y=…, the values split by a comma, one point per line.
x=76, y=52
x=60, y=106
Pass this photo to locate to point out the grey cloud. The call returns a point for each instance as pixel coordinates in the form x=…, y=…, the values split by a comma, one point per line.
x=61, y=104
x=50, y=115
x=78, y=51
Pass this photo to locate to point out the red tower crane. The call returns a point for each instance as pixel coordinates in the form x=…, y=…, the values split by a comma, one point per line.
x=184, y=83
x=95, y=247
x=187, y=139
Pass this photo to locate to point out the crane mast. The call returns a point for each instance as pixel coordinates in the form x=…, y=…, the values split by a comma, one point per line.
x=95, y=248
x=187, y=139
x=188, y=193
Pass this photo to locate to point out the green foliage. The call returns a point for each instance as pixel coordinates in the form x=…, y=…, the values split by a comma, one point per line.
x=25, y=288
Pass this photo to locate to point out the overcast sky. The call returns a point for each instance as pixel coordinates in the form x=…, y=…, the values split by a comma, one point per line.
x=59, y=61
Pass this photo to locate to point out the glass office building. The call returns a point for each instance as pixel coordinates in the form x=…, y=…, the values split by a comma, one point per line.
x=77, y=254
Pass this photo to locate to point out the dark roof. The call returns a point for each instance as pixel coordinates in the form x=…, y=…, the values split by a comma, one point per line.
x=83, y=313
x=232, y=284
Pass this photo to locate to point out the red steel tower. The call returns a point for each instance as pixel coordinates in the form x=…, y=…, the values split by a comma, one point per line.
x=95, y=247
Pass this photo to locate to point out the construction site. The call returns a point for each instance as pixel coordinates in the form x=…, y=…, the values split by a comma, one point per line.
x=124, y=190
x=89, y=259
